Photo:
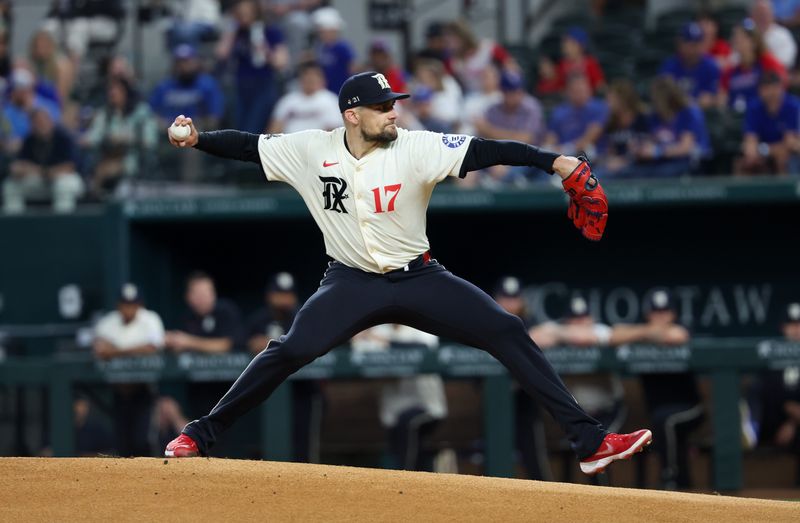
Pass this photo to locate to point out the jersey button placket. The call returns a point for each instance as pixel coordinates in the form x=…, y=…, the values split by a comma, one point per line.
x=363, y=213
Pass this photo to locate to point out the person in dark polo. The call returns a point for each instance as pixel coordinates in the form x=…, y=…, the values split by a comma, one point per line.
x=272, y=321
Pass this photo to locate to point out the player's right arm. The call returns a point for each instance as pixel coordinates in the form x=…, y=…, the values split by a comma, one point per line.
x=282, y=157
x=236, y=145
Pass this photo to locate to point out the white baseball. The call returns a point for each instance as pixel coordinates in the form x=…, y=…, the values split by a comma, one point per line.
x=179, y=132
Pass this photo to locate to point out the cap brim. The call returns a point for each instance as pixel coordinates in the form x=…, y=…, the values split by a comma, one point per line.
x=385, y=97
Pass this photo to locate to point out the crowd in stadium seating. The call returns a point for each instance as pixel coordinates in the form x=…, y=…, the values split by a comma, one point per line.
x=721, y=104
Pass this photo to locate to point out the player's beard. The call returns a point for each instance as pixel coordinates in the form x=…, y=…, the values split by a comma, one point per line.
x=389, y=134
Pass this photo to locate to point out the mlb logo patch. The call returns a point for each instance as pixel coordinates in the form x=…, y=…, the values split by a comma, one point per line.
x=454, y=140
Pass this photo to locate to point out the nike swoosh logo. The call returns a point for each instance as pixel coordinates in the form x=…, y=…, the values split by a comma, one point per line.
x=328, y=164
x=607, y=450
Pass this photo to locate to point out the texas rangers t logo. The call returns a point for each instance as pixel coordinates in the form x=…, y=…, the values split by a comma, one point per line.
x=334, y=193
x=384, y=83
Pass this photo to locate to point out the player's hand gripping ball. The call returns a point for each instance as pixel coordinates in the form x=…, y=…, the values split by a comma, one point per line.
x=179, y=132
x=588, y=205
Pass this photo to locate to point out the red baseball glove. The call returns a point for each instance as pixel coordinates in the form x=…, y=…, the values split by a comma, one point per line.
x=588, y=205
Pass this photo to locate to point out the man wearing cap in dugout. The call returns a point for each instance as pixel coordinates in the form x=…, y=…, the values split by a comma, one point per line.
x=130, y=331
x=774, y=400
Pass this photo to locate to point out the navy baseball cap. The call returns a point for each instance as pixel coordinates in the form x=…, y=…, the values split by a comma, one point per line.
x=281, y=282
x=692, y=32
x=422, y=93
x=366, y=89
x=129, y=293
x=579, y=35
x=184, y=52
x=792, y=313
x=770, y=78
x=511, y=81
x=508, y=287
x=578, y=308
x=660, y=300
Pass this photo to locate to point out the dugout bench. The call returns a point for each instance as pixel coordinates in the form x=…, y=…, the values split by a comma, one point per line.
x=721, y=359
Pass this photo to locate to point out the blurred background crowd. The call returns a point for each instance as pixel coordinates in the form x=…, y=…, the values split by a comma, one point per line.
x=700, y=89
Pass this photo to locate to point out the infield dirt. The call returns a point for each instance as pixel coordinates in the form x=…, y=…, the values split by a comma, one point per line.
x=199, y=489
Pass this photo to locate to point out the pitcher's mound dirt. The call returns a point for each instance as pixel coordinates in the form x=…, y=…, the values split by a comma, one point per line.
x=147, y=489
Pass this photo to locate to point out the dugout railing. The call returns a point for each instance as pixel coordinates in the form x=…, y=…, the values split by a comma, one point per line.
x=722, y=360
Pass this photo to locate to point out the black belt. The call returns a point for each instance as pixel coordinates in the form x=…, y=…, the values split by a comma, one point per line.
x=420, y=261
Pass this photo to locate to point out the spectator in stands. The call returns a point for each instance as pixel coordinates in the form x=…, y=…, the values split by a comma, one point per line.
x=381, y=60
x=212, y=326
x=115, y=67
x=787, y=12
x=575, y=58
x=130, y=331
x=6, y=150
x=295, y=20
x=677, y=138
x=120, y=134
x=477, y=103
x=5, y=56
x=696, y=72
x=577, y=124
x=775, y=398
x=713, y=44
x=271, y=322
x=50, y=65
x=21, y=101
x=6, y=18
x=673, y=400
x=471, y=55
x=44, y=166
x=623, y=134
x=258, y=53
x=333, y=52
x=80, y=23
x=771, y=142
x=548, y=83
x=193, y=22
x=437, y=46
x=309, y=107
x=529, y=436
x=189, y=91
x=517, y=117
x=778, y=39
x=421, y=107
x=410, y=408
x=448, y=99
x=740, y=83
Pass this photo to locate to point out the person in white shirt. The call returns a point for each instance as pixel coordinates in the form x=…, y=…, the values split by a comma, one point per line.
x=411, y=407
x=779, y=39
x=311, y=106
x=367, y=185
x=130, y=331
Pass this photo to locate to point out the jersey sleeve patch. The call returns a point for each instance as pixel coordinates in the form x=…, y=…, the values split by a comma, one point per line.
x=454, y=141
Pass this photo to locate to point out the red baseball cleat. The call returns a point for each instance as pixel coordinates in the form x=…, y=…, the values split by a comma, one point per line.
x=182, y=447
x=614, y=447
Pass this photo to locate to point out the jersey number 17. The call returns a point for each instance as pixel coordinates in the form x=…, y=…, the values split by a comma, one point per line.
x=394, y=190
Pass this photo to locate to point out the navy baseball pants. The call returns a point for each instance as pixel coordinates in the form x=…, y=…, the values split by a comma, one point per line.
x=424, y=295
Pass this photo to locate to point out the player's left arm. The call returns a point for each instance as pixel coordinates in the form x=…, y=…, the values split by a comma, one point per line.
x=588, y=207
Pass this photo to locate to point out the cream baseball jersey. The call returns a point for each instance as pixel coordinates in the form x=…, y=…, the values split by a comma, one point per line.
x=372, y=211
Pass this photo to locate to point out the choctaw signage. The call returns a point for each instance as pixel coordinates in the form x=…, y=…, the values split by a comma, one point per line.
x=735, y=309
